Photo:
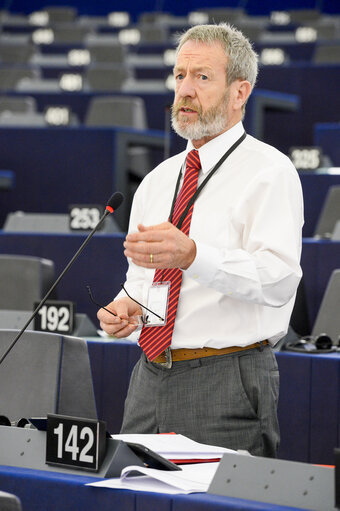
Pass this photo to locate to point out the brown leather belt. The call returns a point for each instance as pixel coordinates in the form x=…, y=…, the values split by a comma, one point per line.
x=190, y=354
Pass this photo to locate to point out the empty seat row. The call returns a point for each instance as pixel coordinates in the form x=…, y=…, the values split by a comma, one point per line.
x=123, y=111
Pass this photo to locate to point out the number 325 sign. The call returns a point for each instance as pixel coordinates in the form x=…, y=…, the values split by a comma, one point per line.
x=75, y=442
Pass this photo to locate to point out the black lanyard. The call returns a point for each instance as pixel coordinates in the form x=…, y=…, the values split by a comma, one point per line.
x=202, y=185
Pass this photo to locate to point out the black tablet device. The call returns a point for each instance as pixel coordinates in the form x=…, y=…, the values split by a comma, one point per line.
x=151, y=459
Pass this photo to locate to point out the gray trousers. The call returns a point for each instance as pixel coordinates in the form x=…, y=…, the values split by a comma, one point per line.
x=226, y=400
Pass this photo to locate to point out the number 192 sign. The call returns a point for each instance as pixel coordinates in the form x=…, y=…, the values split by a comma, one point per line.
x=55, y=316
x=75, y=442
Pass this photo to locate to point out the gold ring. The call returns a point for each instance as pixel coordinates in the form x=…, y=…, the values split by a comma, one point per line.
x=151, y=258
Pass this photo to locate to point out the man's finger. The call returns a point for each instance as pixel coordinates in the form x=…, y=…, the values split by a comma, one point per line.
x=157, y=227
x=153, y=235
x=142, y=248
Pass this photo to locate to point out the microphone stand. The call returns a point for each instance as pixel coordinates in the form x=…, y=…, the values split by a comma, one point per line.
x=65, y=270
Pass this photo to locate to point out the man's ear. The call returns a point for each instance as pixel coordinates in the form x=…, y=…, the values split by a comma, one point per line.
x=242, y=90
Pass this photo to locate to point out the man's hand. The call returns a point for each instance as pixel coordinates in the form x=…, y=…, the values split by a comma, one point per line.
x=160, y=246
x=125, y=322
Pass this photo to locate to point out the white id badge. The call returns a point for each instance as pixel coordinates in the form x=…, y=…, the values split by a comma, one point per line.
x=158, y=299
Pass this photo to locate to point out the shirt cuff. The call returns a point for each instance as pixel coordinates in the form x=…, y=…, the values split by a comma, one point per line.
x=205, y=265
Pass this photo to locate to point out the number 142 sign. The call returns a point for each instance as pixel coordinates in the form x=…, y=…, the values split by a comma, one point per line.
x=75, y=442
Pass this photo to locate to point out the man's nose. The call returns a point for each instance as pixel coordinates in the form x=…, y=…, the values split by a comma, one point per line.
x=186, y=88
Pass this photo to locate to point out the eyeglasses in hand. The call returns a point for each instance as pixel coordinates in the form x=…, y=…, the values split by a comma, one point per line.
x=141, y=319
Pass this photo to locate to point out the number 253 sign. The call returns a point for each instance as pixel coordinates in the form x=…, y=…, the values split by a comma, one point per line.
x=75, y=442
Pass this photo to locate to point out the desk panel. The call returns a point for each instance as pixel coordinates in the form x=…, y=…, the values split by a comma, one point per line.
x=294, y=410
x=327, y=135
x=41, y=491
x=112, y=363
x=117, y=367
x=325, y=411
x=204, y=502
x=55, y=168
x=315, y=188
x=52, y=491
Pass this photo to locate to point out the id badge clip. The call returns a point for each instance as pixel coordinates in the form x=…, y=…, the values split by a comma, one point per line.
x=158, y=299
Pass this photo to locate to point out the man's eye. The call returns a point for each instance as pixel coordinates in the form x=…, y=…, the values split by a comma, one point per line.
x=204, y=77
x=179, y=77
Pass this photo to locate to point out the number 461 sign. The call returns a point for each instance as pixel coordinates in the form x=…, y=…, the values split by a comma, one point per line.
x=75, y=442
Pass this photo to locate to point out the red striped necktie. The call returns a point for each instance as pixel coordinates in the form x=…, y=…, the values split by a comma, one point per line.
x=154, y=340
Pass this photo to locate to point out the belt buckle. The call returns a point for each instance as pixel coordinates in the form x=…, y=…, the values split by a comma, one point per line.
x=168, y=359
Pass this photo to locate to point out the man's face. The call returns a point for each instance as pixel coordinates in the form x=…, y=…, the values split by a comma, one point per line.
x=200, y=109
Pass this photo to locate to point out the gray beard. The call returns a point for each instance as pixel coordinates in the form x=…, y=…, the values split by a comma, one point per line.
x=209, y=124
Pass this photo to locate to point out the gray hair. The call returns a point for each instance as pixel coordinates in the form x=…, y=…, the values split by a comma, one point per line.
x=242, y=59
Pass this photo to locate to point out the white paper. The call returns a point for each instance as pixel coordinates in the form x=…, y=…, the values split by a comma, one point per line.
x=191, y=479
x=175, y=446
x=142, y=483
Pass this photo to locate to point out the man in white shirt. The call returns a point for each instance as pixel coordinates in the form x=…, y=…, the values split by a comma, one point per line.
x=216, y=379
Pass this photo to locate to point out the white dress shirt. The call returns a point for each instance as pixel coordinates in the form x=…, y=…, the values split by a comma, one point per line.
x=247, y=225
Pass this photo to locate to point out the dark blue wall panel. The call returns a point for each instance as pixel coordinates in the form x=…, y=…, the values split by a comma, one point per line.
x=327, y=136
x=253, y=7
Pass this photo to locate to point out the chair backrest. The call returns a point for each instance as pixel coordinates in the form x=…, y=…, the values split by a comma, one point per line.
x=17, y=104
x=16, y=53
x=22, y=119
x=127, y=111
x=328, y=317
x=110, y=53
x=156, y=17
x=327, y=54
x=326, y=31
x=107, y=78
x=223, y=14
x=45, y=373
x=150, y=33
x=304, y=15
x=10, y=77
x=9, y=502
x=330, y=213
x=69, y=34
x=336, y=232
x=24, y=280
x=60, y=14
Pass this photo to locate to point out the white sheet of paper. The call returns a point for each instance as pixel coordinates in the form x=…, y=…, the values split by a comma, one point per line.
x=191, y=479
x=175, y=446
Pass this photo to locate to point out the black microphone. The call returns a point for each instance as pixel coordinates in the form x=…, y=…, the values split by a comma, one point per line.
x=113, y=203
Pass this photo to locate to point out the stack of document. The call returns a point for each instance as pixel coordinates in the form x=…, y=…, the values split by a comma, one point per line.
x=191, y=479
x=177, y=448
x=195, y=475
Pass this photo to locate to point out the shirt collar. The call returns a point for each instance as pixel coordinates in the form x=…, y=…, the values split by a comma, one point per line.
x=211, y=152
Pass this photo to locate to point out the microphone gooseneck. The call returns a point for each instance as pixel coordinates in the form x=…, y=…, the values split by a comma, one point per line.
x=114, y=202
